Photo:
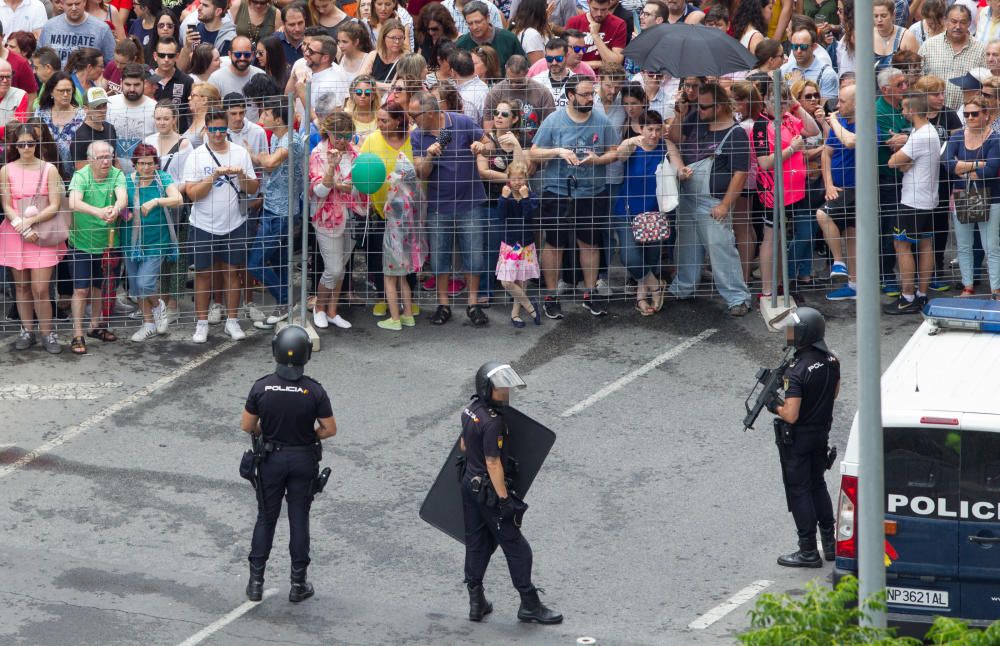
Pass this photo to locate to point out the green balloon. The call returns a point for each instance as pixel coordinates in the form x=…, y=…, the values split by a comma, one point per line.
x=368, y=173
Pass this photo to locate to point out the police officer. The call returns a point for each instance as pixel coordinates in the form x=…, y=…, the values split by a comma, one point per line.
x=812, y=383
x=285, y=407
x=492, y=512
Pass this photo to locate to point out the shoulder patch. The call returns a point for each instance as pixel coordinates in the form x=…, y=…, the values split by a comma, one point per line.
x=785, y=386
x=499, y=441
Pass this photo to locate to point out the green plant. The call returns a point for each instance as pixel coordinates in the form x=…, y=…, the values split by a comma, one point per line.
x=954, y=632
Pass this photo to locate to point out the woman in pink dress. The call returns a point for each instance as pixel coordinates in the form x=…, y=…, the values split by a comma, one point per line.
x=25, y=182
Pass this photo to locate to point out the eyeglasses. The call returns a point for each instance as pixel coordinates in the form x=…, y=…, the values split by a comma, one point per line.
x=706, y=107
x=394, y=39
x=810, y=97
x=166, y=54
x=969, y=115
x=145, y=163
x=502, y=113
x=162, y=25
x=801, y=48
x=217, y=129
x=31, y=144
x=363, y=92
x=578, y=49
x=241, y=55
x=557, y=59
x=433, y=29
x=583, y=95
x=106, y=158
x=5, y=77
x=646, y=14
x=416, y=115
x=398, y=90
x=308, y=51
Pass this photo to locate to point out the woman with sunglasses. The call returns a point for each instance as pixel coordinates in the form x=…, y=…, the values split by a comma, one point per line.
x=362, y=104
x=255, y=19
x=204, y=98
x=144, y=25
x=31, y=192
x=807, y=93
x=270, y=55
x=58, y=110
x=356, y=52
x=167, y=26
x=205, y=61
x=972, y=158
x=433, y=26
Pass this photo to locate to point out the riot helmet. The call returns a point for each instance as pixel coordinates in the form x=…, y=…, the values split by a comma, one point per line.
x=292, y=350
x=807, y=328
x=493, y=375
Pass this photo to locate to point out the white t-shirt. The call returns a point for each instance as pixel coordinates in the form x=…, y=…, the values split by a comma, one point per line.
x=531, y=41
x=558, y=88
x=226, y=81
x=920, y=183
x=30, y=15
x=218, y=212
x=333, y=80
x=252, y=137
x=132, y=125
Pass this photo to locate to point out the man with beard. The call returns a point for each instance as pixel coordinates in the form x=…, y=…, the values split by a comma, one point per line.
x=327, y=76
x=234, y=77
x=213, y=27
x=605, y=34
x=293, y=17
x=576, y=42
x=535, y=99
x=574, y=146
x=558, y=74
x=131, y=113
x=172, y=84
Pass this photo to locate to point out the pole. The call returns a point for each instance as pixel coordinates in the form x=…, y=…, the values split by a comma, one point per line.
x=778, y=214
x=303, y=295
x=291, y=196
x=871, y=494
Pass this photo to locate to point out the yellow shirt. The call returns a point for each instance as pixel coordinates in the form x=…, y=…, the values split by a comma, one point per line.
x=775, y=15
x=376, y=143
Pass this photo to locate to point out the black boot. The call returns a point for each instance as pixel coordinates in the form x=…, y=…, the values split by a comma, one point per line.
x=301, y=589
x=807, y=556
x=829, y=541
x=255, y=587
x=478, y=605
x=532, y=609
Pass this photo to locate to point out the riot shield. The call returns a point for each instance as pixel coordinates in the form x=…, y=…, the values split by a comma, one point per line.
x=530, y=443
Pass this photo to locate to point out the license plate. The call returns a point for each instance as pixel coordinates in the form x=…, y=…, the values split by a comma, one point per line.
x=914, y=597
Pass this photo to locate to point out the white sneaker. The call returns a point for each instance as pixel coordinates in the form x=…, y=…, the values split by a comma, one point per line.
x=171, y=314
x=562, y=287
x=279, y=314
x=200, y=332
x=320, y=320
x=144, y=333
x=254, y=313
x=602, y=287
x=214, y=314
x=160, y=318
x=234, y=330
x=341, y=322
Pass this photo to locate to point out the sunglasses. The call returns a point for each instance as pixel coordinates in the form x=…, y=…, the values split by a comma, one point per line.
x=343, y=136
x=361, y=92
x=969, y=115
x=502, y=113
x=801, y=48
x=5, y=77
x=433, y=29
x=705, y=107
x=217, y=129
x=579, y=49
x=166, y=54
x=557, y=59
x=810, y=97
x=246, y=55
x=31, y=144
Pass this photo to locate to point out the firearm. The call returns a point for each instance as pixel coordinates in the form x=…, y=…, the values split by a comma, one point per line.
x=771, y=380
x=320, y=482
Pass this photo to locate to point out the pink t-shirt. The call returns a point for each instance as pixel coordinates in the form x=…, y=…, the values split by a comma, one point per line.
x=541, y=66
x=795, y=173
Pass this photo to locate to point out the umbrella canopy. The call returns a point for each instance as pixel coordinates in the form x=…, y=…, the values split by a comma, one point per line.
x=688, y=50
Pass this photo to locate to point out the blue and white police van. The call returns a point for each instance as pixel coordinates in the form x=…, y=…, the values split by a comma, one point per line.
x=941, y=433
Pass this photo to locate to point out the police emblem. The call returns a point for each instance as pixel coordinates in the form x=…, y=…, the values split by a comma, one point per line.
x=785, y=385
x=499, y=441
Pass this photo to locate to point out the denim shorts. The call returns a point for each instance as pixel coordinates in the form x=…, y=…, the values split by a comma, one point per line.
x=228, y=248
x=143, y=275
x=86, y=269
x=467, y=229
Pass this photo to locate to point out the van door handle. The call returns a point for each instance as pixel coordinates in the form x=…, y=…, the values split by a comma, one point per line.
x=984, y=539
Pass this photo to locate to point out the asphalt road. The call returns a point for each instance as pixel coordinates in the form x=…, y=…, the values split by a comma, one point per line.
x=130, y=524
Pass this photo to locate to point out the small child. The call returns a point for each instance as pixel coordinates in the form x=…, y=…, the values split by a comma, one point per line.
x=518, y=262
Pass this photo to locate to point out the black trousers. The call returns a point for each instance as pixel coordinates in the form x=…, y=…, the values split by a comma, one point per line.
x=805, y=467
x=484, y=531
x=285, y=475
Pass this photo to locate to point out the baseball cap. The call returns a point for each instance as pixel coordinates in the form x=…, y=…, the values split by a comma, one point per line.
x=96, y=97
x=973, y=79
x=151, y=75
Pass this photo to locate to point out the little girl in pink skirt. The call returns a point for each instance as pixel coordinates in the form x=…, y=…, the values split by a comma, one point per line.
x=518, y=261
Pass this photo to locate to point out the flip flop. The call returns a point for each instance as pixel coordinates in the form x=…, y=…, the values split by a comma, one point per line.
x=645, y=310
x=658, y=297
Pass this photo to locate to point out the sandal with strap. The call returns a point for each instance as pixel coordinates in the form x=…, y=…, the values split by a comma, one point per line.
x=517, y=322
x=102, y=334
x=78, y=345
x=441, y=315
x=477, y=315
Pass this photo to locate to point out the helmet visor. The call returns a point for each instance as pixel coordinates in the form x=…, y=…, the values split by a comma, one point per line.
x=787, y=319
x=505, y=377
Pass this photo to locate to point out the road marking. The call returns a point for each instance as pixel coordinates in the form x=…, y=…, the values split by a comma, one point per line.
x=638, y=372
x=225, y=620
x=732, y=603
x=104, y=414
x=34, y=392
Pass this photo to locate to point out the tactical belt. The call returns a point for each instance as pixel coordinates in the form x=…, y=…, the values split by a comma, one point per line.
x=294, y=447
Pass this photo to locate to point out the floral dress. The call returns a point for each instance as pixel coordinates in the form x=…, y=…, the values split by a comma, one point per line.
x=404, y=246
x=63, y=136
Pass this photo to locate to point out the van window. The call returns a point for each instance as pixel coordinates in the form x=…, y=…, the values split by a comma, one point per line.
x=981, y=467
x=924, y=462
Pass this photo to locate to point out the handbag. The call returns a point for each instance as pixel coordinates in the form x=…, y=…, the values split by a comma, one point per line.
x=54, y=231
x=651, y=226
x=972, y=204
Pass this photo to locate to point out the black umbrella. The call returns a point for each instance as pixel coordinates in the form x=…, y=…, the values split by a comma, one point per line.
x=688, y=50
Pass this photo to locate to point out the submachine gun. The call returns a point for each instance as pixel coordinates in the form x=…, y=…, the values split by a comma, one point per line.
x=770, y=381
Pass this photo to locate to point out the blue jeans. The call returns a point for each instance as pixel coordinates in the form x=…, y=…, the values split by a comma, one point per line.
x=143, y=275
x=639, y=259
x=469, y=228
x=494, y=235
x=988, y=232
x=800, y=249
x=270, y=246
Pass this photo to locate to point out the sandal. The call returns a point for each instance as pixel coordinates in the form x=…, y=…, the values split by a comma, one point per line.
x=968, y=291
x=441, y=315
x=78, y=345
x=658, y=295
x=477, y=315
x=102, y=334
x=644, y=308
x=517, y=322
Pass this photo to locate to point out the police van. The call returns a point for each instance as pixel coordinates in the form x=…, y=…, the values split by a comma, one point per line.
x=941, y=434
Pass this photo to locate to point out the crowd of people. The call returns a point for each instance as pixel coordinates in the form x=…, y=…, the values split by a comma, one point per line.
x=158, y=152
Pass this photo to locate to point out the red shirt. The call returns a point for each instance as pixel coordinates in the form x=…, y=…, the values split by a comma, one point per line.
x=24, y=77
x=613, y=32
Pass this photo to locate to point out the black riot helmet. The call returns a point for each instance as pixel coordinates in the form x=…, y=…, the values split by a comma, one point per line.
x=292, y=349
x=808, y=328
x=492, y=375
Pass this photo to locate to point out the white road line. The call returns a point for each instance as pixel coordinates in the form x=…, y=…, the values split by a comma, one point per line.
x=732, y=603
x=638, y=372
x=104, y=414
x=225, y=620
x=34, y=392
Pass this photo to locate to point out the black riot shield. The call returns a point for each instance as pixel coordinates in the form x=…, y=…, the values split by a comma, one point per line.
x=530, y=443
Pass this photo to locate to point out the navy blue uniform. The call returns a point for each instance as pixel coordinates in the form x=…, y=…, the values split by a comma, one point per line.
x=288, y=411
x=812, y=375
x=485, y=435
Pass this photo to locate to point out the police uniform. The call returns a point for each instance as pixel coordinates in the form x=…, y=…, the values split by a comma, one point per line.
x=288, y=410
x=813, y=376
